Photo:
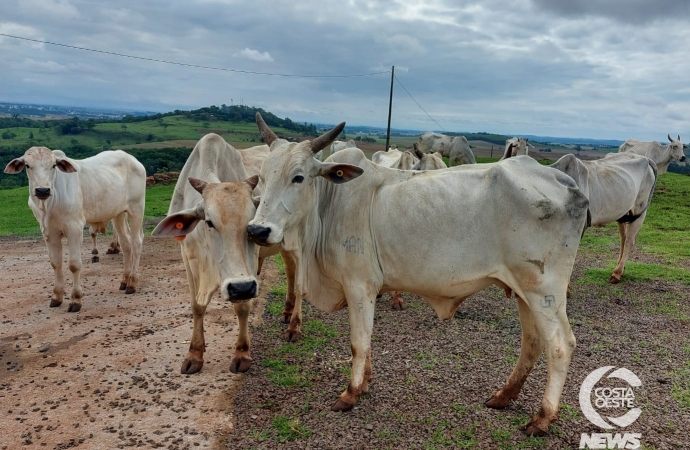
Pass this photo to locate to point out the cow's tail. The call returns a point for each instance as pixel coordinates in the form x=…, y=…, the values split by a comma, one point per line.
x=630, y=218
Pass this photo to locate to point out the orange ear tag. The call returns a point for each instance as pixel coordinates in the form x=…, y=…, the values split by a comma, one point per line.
x=179, y=225
x=339, y=173
x=180, y=238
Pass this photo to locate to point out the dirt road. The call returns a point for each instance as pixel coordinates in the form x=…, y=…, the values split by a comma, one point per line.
x=110, y=377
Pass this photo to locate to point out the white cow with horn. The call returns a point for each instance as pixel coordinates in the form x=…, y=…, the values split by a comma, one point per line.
x=516, y=147
x=338, y=219
x=66, y=194
x=662, y=155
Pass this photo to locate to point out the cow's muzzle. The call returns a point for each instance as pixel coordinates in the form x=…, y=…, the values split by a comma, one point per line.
x=259, y=234
x=42, y=193
x=683, y=158
x=241, y=291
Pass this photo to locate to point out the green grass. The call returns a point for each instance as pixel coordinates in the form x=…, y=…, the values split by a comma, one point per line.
x=288, y=429
x=17, y=218
x=681, y=386
x=637, y=272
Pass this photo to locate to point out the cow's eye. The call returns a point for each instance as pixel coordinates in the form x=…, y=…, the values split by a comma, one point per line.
x=54, y=166
x=210, y=224
x=27, y=166
x=298, y=179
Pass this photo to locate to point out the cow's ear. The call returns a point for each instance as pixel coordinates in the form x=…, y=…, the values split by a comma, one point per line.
x=252, y=181
x=339, y=173
x=64, y=165
x=15, y=166
x=197, y=184
x=180, y=224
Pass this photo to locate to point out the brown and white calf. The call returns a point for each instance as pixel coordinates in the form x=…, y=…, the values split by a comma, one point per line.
x=215, y=188
x=66, y=194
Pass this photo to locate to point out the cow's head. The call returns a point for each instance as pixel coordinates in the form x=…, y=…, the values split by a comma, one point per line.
x=288, y=174
x=677, y=149
x=225, y=209
x=41, y=165
x=428, y=161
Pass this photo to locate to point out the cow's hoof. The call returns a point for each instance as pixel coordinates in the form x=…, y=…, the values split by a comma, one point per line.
x=398, y=306
x=293, y=335
x=286, y=317
x=496, y=402
x=110, y=251
x=190, y=366
x=341, y=406
x=94, y=251
x=123, y=286
x=130, y=290
x=95, y=259
x=54, y=303
x=74, y=307
x=240, y=365
x=614, y=280
x=378, y=296
x=532, y=429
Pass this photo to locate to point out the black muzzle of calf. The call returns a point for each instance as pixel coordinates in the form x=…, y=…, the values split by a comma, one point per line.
x=243, y=291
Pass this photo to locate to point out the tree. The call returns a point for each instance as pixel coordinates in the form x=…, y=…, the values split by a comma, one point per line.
x=124, y=127
x=31, y=135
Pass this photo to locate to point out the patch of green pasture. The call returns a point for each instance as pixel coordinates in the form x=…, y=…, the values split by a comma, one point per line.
x=289, y=429
x=636, y=272
x=18, y=220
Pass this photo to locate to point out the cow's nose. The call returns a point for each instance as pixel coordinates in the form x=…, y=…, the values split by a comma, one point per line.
x=258, y=233
x=42, y=192
x=244, y=290
x=683, y=158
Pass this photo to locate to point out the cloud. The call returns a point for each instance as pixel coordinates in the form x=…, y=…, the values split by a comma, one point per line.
x=255, y=55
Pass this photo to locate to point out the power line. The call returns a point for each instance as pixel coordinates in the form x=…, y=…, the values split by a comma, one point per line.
x=420, y=106
x=223, y=69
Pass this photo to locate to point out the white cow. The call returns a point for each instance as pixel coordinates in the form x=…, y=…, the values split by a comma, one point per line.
x=218, y=254
x=662, y=155
x=619, y=188
x=395, y=159
x=336, y=146
x=428, y=161
x=348, y=248
x=110, y=185
x=455, y=148
x=516, y=147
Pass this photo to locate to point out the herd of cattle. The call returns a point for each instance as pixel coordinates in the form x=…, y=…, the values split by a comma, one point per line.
x=349, y=229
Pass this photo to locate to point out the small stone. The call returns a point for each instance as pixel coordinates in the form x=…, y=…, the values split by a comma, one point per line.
x=44, y=347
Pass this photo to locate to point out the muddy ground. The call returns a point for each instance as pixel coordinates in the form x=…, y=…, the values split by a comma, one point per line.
x=110, y=377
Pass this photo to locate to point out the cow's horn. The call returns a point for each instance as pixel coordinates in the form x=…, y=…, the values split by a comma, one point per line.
x=669, y=138
x=417, y=151
x=266, y=133
x=327, y=138
x=679, y=137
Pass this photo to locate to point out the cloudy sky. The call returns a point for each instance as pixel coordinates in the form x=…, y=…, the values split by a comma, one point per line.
x=578, y=68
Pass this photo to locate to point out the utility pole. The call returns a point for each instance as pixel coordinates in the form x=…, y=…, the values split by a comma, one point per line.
x=390, y=109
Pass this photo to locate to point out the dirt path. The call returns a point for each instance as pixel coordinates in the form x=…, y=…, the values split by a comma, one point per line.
x=110, y=378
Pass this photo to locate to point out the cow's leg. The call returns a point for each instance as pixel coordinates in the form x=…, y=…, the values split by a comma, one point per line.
x=397, y=302
x=114, y=247
x=530, y=350
x=201, y=290
x=261, y=265
x=93, y=232
x=293, y=302
x=120, y=225
x=136, y=242
x=627, y=243
x=54, y=244
x=241, y=361
x=548, y=308
x=74, y=238
x=360, y=305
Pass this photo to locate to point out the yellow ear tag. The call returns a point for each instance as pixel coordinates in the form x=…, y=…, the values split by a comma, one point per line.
x=339, y=173
x=179, y=225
